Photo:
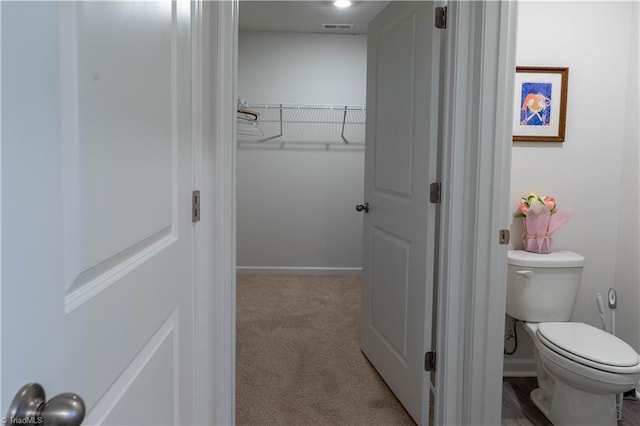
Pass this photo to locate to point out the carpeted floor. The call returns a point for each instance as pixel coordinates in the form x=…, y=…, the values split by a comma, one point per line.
x=298, y=358
x=299, y=363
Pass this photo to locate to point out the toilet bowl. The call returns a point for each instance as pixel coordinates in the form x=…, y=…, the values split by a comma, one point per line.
x=580, y=368
x=578, y=377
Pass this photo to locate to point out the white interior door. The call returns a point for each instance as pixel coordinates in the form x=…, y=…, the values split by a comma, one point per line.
x=97, y=239
x=403, y=74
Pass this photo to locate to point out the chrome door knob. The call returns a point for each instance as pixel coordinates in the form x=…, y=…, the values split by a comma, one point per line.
x=363, y=207
x=29, y=407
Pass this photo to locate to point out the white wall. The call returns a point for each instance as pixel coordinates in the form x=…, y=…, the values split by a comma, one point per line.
x=302, y=68
x=296, y=207
x=627, y=275
x=594, y=172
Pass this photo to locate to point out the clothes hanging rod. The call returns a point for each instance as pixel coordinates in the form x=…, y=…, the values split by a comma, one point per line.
x=312, y=115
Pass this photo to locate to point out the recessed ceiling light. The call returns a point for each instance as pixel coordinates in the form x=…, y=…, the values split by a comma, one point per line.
x=342, y=3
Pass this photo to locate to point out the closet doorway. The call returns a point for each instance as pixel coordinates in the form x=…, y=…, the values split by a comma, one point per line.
x=300, y=152
x=300, y=173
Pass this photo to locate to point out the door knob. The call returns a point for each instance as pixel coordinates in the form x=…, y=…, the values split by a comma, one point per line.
x=29, y=407
x=363, y=207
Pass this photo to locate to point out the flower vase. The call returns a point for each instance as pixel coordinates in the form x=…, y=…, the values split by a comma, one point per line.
x=542, y=244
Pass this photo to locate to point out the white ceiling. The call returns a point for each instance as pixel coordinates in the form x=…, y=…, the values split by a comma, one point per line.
x=306, y=16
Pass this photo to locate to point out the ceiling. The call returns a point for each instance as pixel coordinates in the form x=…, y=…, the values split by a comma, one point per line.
x=307, y=16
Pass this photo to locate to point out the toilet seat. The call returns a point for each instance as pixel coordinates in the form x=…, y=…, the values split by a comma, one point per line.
x=583, y=377
x=589, y=346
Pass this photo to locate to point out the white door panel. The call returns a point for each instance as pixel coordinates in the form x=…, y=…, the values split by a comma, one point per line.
x=403, y=75
x=125, y=114
x=393, y=124
x=389, y=264
x=97, y=240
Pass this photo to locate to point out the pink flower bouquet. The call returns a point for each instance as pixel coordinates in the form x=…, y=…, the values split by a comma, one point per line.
x=541, y=219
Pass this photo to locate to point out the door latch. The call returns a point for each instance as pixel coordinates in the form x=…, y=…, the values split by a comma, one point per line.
x=504, y=237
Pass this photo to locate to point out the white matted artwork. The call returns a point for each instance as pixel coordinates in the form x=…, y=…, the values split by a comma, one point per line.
x=540, y=104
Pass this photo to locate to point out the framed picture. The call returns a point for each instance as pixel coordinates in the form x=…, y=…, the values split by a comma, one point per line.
x=540, y=104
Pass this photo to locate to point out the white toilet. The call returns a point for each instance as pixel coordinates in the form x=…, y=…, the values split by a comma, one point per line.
x=580, y=368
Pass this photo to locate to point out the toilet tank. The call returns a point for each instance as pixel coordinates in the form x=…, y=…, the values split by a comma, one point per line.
x=542, y=287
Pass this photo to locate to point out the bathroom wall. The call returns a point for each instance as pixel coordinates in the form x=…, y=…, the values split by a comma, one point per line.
x=627, y=278
x=296, y=206
x=594, y=172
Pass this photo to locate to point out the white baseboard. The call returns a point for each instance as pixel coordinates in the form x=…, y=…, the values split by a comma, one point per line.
x=295, y=270
x=519, y=367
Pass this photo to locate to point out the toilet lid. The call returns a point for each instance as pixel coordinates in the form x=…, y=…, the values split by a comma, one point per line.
x=588, y=343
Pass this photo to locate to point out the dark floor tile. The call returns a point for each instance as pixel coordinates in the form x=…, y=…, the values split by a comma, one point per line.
x=519, y=410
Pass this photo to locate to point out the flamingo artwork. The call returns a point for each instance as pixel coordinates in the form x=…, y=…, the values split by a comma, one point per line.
x=536, y=104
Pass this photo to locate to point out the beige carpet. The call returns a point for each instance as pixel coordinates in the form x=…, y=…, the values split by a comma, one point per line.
x=298, y=358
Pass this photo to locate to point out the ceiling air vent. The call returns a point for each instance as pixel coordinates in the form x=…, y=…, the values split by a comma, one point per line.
x=337, y=26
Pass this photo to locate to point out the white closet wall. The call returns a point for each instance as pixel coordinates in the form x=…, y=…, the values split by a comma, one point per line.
x=295, y=205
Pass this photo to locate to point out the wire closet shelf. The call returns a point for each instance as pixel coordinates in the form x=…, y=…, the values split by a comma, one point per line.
x=304, y=126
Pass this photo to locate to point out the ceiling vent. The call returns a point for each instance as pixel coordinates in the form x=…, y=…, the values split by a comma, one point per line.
x=337, y=27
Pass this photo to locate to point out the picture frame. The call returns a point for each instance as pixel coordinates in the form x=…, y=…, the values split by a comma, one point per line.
x=540, y=104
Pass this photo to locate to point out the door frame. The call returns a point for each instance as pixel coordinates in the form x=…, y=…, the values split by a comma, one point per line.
x=216, y=263
x=480, y=59
x=480, y=68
